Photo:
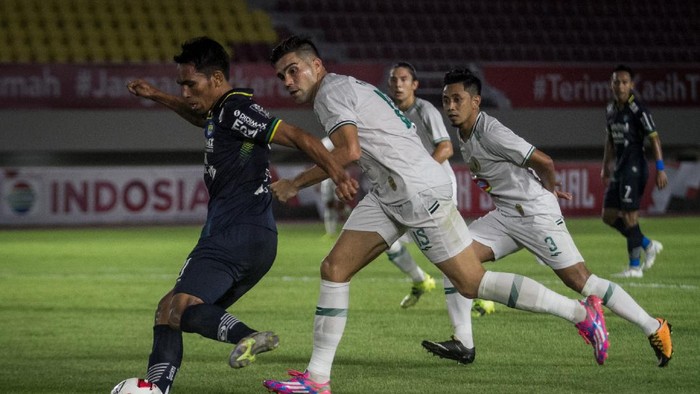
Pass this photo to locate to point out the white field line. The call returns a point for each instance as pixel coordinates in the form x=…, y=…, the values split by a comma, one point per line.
x=650, y=285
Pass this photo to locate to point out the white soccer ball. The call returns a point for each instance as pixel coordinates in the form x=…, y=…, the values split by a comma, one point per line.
x=136, y=386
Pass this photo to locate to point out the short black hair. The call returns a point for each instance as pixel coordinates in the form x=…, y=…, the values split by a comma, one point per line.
x=206, y=54
x=294, y=44
x=409, y=66
x=626, y=68
x=471, y=82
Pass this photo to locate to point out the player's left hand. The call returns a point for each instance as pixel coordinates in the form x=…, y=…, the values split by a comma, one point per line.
x=284, y=190
x=346, y=190
x=661, y=179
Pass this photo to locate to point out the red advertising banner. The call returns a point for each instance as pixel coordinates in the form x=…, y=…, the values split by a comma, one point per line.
x=91, y=86
x=574, y=86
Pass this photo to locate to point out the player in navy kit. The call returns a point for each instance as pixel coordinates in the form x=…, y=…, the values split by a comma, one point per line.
x=629, y=122
x=238, y=243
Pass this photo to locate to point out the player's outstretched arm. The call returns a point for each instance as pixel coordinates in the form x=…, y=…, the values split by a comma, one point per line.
x=327, y=165
x=142, y=88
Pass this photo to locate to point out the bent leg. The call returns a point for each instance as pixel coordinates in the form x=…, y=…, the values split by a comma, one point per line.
x=514, y=291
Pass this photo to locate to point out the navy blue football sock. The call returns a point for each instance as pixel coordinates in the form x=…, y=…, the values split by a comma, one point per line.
x=214, y=322
x=634, y=245
x=166, y=356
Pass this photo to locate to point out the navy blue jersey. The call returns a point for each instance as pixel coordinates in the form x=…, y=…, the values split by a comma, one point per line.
x=629, y=126
x=236, y=163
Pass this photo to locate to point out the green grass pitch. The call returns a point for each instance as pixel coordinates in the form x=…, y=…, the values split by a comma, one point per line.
x=76, y=310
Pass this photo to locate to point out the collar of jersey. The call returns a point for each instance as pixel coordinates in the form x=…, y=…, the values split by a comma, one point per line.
x=233, y=92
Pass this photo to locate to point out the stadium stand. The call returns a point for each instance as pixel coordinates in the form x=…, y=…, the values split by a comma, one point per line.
x=435, y=35
x=431, y=33
x=127, y=31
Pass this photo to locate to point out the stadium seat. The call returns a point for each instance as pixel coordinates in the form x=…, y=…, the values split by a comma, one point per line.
x=48, y=29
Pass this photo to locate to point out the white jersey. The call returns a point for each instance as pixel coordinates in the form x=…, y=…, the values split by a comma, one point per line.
x=431, y=130
x=497, y=160
x=393, y=158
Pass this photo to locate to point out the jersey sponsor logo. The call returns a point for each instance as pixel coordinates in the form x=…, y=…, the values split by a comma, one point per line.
x=257, y=108
x=618, y=131
x=247, y=125
x=482, y=184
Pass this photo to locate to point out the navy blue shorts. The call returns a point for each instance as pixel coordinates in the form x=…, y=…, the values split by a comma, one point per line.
x=626, y=191
x=223, y=267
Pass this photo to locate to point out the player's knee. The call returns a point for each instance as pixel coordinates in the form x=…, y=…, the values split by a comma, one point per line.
x=609, y=219
x=161, y=315
x=178, y=303
x=334, y=272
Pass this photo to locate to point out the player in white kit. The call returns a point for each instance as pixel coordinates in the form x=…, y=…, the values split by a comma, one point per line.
x=403, y=82
x=521, y=181
x=410, y=193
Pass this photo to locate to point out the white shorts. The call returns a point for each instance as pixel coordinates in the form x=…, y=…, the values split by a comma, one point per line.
x=431, y=218
x=546, y=236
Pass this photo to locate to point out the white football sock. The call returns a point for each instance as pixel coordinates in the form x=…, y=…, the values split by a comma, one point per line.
x=329, y=324
x=520, y=292
x=459, y=308
x=621, y=303
x=399, y=255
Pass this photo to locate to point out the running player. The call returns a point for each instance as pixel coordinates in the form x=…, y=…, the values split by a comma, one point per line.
x=521, y=180
x=403, y=83
x=239, y=240
x=410, y=193
x=629, y=122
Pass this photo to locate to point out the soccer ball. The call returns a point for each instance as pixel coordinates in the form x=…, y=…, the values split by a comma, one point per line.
x=136, y=386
